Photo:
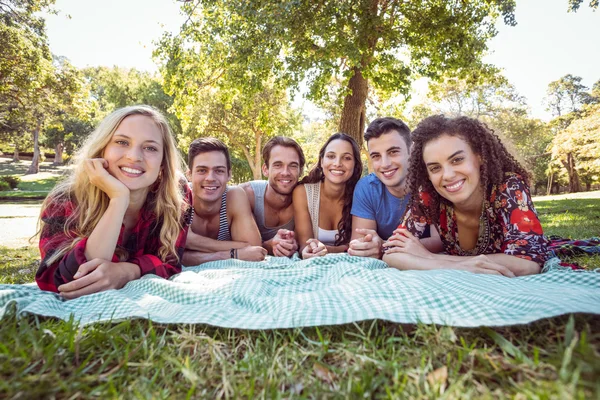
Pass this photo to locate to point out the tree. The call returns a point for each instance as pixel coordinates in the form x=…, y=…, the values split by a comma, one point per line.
x=577, y=148
x=377, y=45
x=116, y=87
x=566, y=95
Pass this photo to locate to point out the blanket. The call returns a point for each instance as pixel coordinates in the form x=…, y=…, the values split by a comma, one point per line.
x=335, y=289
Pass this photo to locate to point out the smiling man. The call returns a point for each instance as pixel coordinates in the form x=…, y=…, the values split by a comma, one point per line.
x=380, y=198
x=271, y=199
x=223, y=226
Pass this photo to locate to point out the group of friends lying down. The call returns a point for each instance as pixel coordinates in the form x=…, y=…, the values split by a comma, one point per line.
x=447, y=195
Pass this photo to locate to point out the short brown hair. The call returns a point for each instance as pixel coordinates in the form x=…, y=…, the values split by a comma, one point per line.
x=285, y=142
x=204, y=145
x=384, y=125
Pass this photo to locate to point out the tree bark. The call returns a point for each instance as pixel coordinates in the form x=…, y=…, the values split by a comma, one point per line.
x=549, y=187
x=256, y=171
x=574, y=183
x=16, y=155
x=353, y=118
x=58, y=154
x=34, y=168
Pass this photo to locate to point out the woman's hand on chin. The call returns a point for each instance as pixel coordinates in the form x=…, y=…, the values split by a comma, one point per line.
x=98, y=275
x=313, y=248
x=402, y=241
x=97, y=171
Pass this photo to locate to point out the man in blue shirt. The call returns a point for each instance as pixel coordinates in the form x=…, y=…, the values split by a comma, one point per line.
x=380, y=199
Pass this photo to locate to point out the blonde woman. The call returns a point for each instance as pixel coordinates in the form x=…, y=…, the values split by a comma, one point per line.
x=123, y=211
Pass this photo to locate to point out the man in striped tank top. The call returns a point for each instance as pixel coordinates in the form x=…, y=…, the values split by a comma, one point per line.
x=271, y=200
x=223, y=226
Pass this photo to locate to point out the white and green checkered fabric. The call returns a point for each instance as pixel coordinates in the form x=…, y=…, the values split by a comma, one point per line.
x=336, y=289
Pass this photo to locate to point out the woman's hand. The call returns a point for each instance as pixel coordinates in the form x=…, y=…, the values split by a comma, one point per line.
x=97, y=170
x=98, y=275
x=402, y=241
x=313, y=248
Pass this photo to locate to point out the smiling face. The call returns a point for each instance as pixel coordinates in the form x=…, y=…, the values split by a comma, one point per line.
x=453, y=169
x=135, y=152
x=209, y=176
x=284, y=169
x=338, y=161
x=389, y=156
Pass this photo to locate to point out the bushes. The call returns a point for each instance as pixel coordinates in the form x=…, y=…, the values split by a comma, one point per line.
x=8, y=182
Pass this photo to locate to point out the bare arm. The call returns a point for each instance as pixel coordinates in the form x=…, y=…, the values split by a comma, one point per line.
x=303, y=224
x=243, y=226
x=208, y=245
x=192, y=258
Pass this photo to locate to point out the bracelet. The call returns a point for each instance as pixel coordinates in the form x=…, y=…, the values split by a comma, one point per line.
x=236, y=256
x=232, y=253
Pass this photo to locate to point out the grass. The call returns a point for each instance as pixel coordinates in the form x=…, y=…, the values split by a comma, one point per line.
x=556, y=358
x=35, y=186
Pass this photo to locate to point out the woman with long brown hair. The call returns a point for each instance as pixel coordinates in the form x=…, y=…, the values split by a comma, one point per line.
x=473, y=192
x=323, y=199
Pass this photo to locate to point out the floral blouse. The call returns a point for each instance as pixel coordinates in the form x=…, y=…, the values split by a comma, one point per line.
x=509, y=223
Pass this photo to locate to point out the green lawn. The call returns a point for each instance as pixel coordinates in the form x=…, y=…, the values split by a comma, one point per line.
x=30, y=186
x=558, y=358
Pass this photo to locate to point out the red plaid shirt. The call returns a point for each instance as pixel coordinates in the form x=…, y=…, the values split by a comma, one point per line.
x=141, y=246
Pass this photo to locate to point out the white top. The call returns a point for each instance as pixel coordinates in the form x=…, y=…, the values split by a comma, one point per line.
x=327, y=237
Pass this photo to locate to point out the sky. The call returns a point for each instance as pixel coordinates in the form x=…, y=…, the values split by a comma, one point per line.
x=547, y=43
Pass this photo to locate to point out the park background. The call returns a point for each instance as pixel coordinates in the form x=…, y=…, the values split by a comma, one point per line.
x=246, y=71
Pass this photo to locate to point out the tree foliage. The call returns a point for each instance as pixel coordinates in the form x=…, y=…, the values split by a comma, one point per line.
x=377, y=45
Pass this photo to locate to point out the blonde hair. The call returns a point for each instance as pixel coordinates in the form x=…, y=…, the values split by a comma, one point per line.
x=164, y=200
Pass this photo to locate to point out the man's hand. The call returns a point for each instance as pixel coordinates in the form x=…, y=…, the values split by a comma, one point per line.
x=284, y=244
x=369, y=245
x=314, y=248
x=251, y=253
x=98, y=275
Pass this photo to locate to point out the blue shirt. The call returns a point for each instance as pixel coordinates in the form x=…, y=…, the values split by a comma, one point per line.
x=372, y=200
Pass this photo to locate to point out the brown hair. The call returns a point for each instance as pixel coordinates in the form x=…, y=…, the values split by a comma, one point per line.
x=316, y=175
x=204, y=145
x=384, y=125
x=285, y=142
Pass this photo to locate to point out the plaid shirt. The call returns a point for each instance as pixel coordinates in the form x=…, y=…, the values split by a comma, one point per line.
x=141, y=245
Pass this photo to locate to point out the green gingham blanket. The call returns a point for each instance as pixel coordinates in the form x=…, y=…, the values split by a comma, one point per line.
x=335, y=289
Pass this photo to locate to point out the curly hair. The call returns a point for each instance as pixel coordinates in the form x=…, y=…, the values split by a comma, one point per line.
x=316, y=175
x=496, y=160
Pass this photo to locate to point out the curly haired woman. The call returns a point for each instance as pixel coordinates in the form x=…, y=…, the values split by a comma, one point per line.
x=476, y=195
x=123, y=211
x=323, y=199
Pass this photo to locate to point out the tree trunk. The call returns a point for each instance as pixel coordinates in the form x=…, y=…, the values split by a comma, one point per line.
x=34, y=168
x=352, y=121
x=16, y=155
x=257, y=171
x=574, y=183
x=549, y=187
x=588, y=186
x=58, y=154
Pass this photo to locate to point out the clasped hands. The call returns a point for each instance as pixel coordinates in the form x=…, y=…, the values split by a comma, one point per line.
x=98, y=275
x=284, y=244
